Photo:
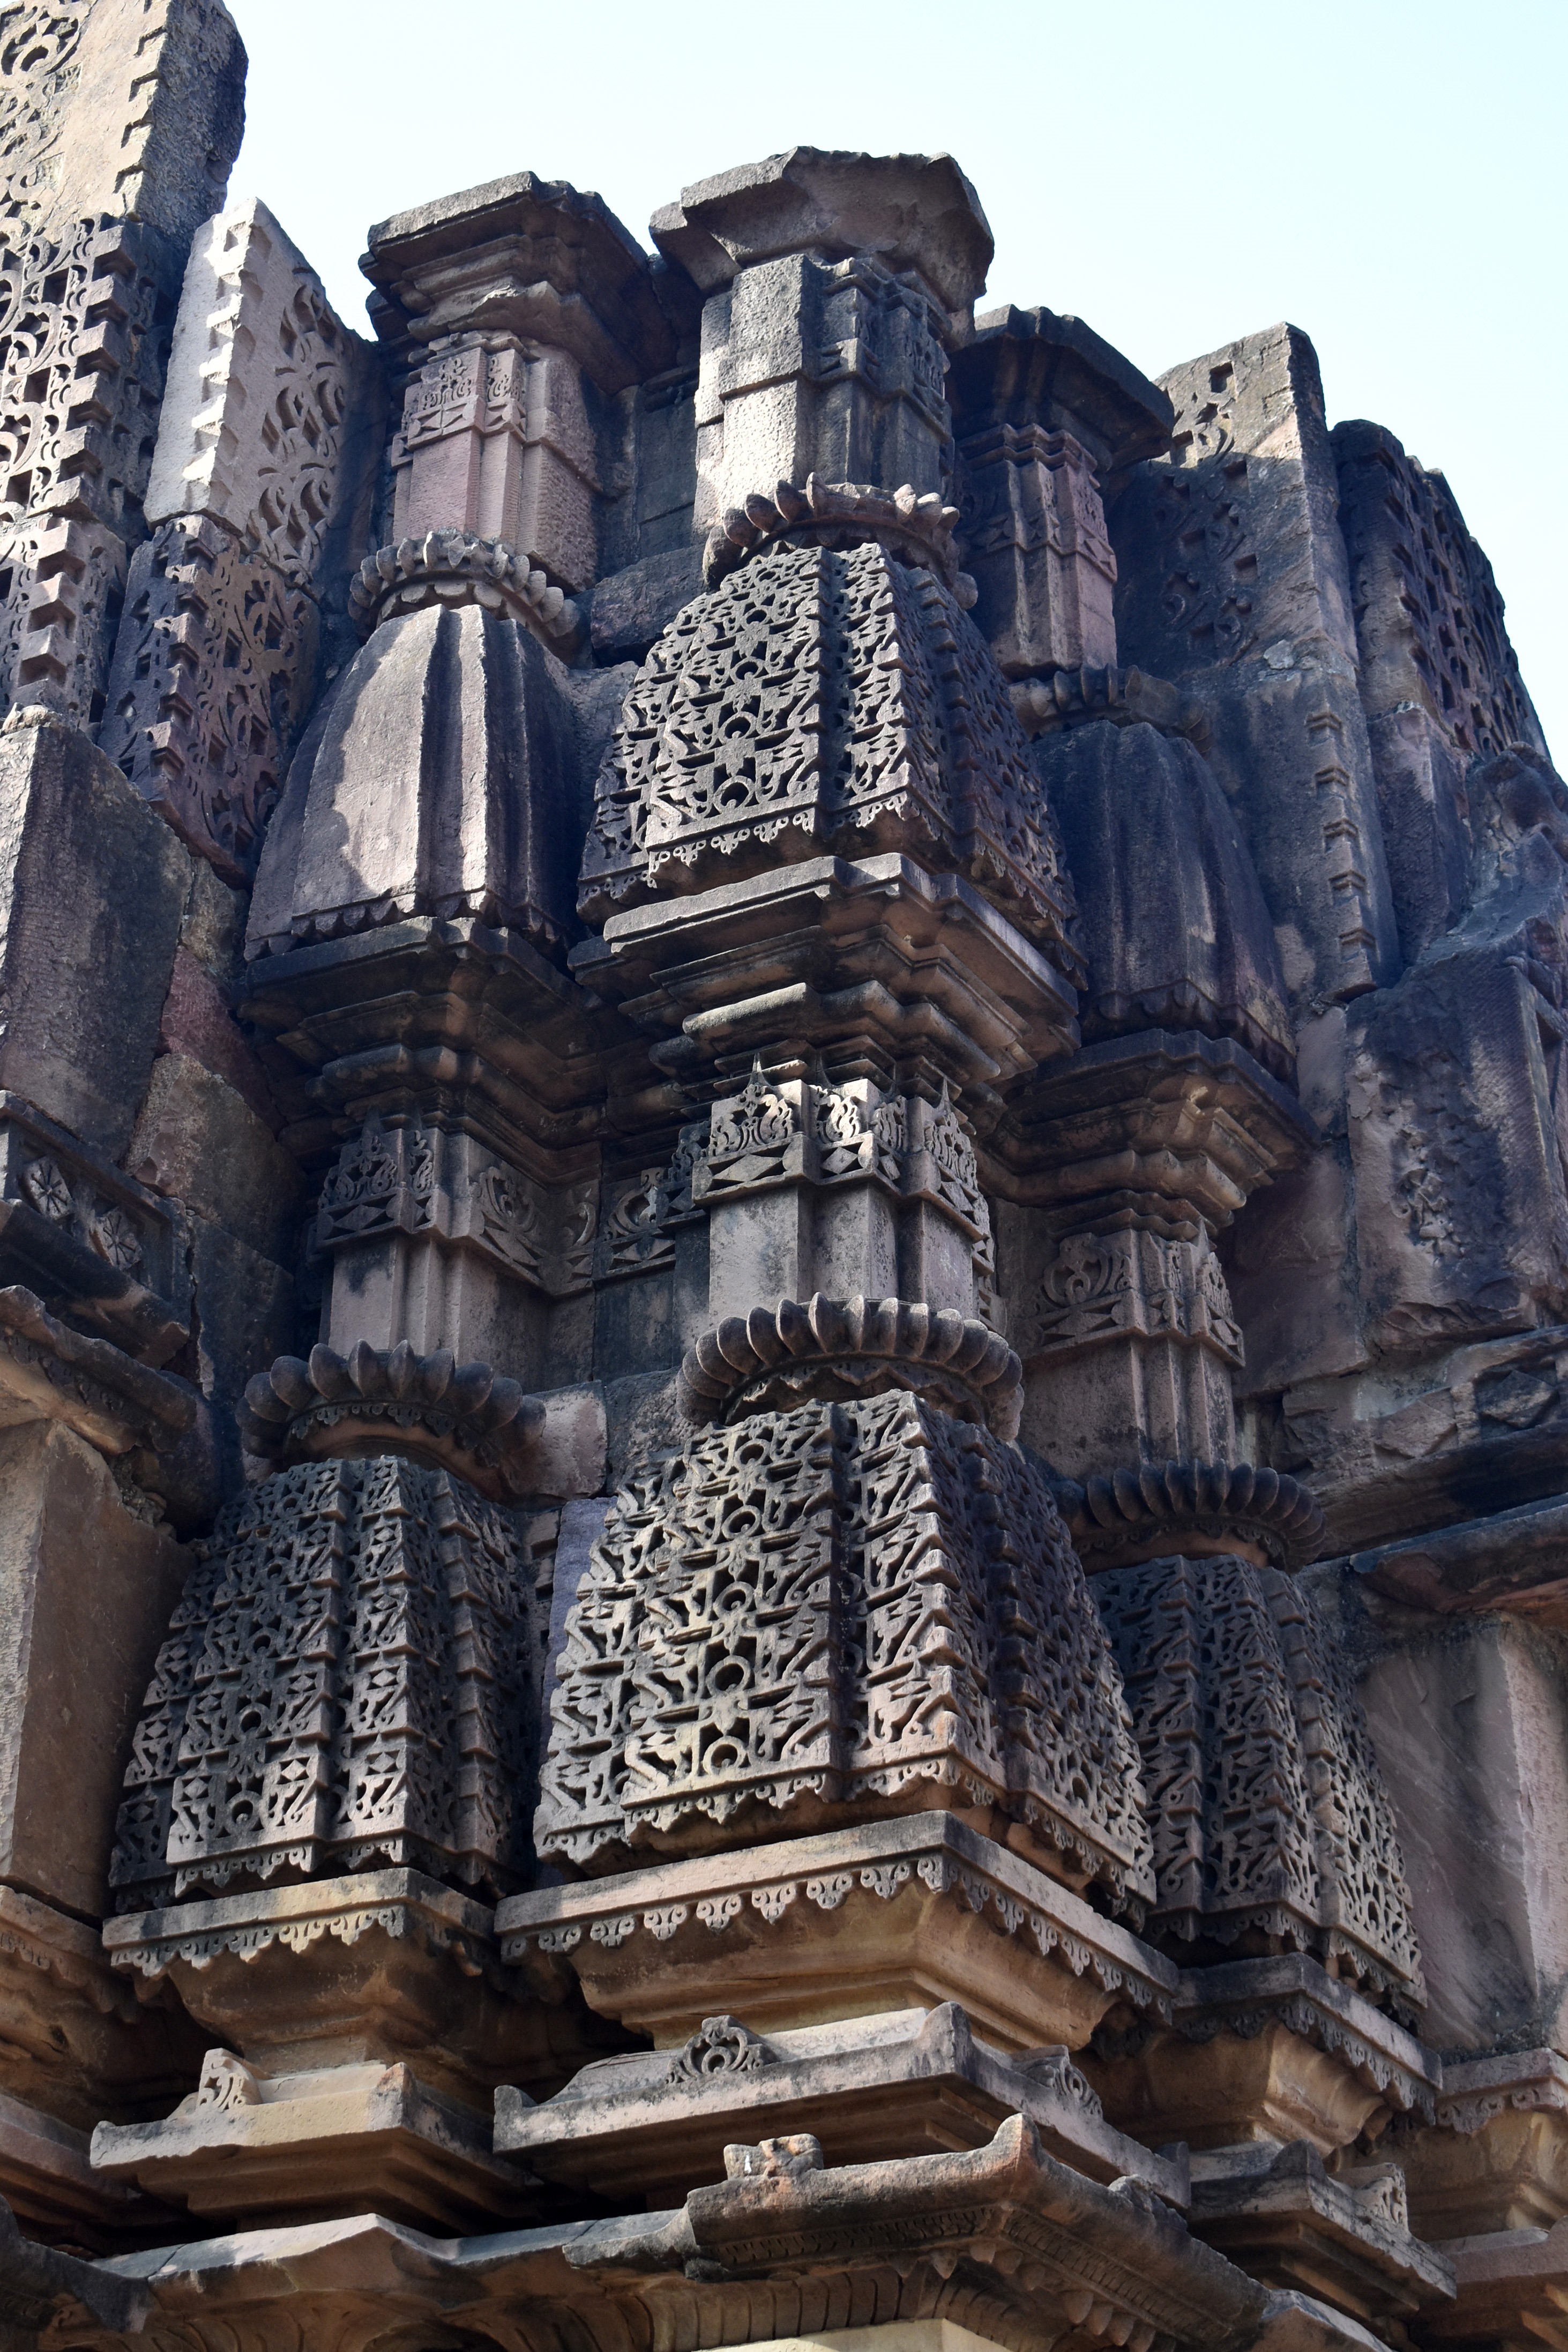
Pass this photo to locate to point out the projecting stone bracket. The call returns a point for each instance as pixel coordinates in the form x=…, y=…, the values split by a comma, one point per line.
x=873, y=2085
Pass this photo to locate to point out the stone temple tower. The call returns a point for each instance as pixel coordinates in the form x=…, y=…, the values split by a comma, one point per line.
x=783, y=1333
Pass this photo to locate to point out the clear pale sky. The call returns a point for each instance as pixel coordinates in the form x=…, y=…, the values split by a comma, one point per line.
x=1389, y=175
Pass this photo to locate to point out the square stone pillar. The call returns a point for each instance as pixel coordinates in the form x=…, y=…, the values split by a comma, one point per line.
x=834, y=283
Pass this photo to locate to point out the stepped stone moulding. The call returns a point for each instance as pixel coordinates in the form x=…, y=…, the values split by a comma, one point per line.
x=522, y=256
x=913, y=212
x=450, y=567
x=460, y=1417
x=908, y=1911
x=849, y=1349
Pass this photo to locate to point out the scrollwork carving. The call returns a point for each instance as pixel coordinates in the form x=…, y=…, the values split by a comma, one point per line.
x=885, y=1597
x=722, y=2046
x=1264, y=1798
x=346, y=1678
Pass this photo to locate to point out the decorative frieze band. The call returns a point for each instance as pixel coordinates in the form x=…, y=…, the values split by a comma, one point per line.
x=424, y=1179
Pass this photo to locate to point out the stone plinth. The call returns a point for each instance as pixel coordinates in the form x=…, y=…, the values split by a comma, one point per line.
x=93, y=888
x=1343, y=2236
x=84, y=1583
x=1498, y=2159
x=303, y=2147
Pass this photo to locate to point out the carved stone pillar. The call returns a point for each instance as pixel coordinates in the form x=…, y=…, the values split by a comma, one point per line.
x=521, y=310
x=833, y=282
x=841, y=1190
x=1124, y=1168
x=1044, y=411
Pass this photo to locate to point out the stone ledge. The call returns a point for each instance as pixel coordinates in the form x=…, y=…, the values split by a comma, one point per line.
x=393, y=1901
x=646, y=1944
x=869, y=2088
x=257, y=2145
x=1243, y=1997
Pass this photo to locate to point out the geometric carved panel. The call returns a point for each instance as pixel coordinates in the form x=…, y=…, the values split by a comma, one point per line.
x=348, y=1683
x=838, y=1604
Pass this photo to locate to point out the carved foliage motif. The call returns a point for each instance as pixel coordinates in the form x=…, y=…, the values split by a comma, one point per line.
x=293, y=358
x=637, y=1231
x=1264, y=1797
x=202, y=698
x=82, y=348
x=839, y=1602
x=416, y=1179
x=383, y=1181
x=346, y=1683
x=1112, y=1286
x=841, y=698
x=38, y=43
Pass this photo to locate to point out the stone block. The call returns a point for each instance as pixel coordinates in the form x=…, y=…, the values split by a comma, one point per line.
x=387, y=1967
x=312, y=2145
x=1270, y=2048
x=199, y=1142
x=197, y=1022
x=1286, y=2220
x=214, y=666
x=1461, y=1204
x=129, y=110
x=246, y=1308
x=880, y=1515
x=1468, y=1722
x=48, y=2180
x=86, y=1589
x=633, y=607
x=92, y=893
x=523, y=256
x=1499, y=2159
x=60, y=579
x=1232, y=576
x=78, y=2045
